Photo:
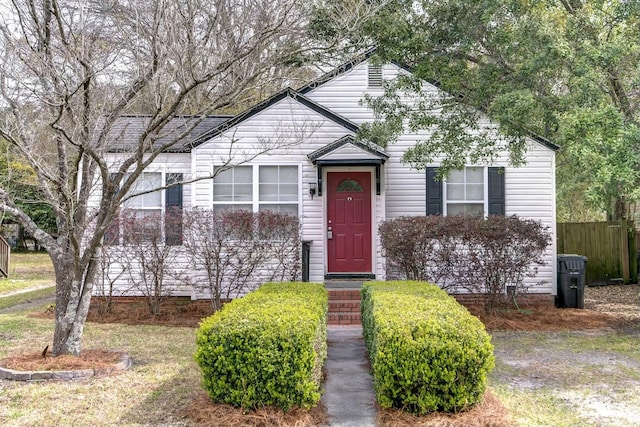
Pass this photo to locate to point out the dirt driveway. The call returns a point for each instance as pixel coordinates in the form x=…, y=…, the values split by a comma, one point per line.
x=575, y=377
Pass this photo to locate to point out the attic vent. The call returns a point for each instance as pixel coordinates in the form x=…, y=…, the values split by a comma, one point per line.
x=375, y=76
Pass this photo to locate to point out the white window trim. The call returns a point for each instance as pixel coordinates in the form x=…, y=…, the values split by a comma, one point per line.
x=163, y=171
x=163, y=174
x=485, y=202
x=255, y=188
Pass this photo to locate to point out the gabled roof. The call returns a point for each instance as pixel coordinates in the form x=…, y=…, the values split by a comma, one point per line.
x=348, y=148
x=340, y=69
x=347, y=66
x=125, y=132
x=288, y=92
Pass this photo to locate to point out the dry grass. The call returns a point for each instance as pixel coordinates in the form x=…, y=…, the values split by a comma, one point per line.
x=28, y=270
x=162, y=388
x=15, y=301
x=488, y=413
x=162, y=382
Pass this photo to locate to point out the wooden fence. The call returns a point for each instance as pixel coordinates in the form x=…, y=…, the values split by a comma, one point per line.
x=610, y=248
x=5, y=252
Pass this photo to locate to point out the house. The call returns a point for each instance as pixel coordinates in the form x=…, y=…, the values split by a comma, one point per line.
x=296, y=153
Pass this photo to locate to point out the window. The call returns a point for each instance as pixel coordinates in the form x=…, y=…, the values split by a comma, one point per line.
x=470, y=191
x=278, y=188
x=349, y=185
x=257, y=188
x=464, y=192
x=150, y=214
x=233, y=188
x=147, y=203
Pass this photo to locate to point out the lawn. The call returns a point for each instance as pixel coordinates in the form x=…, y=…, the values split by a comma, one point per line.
x=559, y=378
x=163, y=380
x=569, y=378
x=543, y=378
x=28, y=270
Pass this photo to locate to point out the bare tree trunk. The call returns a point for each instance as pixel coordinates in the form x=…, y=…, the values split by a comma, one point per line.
x=74, y=286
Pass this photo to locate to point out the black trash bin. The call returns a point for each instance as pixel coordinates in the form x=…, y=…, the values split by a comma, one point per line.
x=306, y=249
x=571, y=280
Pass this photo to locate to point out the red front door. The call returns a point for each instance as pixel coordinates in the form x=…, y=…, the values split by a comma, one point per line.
x=349, y=222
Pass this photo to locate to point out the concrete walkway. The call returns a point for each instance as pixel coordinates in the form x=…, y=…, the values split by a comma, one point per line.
x=31, y=303
x=27, y=290
x=348, y=394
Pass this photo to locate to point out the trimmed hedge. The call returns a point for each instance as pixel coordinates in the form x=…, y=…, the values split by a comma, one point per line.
x=267, y=348
x=427, y=352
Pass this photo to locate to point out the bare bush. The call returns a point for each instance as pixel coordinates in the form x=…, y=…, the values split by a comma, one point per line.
x=423, y=248
x=281, y=233
x=151, y=264
x=501, y=253
x=239, y=249
x=110, y=271
x=486, y=256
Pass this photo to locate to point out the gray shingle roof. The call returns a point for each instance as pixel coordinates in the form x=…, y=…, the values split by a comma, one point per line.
x=287, y=92
x=125, y=132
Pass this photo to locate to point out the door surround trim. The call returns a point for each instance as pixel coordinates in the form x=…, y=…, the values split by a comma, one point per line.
x=374, y=217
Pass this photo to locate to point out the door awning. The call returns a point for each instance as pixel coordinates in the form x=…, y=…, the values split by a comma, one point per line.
x=347, y=151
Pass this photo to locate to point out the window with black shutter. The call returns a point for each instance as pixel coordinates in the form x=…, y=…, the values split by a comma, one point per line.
x=140, y=215
x=475, y=191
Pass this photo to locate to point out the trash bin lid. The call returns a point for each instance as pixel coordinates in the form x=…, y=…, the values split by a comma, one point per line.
x=582, y=257
x=572, y=261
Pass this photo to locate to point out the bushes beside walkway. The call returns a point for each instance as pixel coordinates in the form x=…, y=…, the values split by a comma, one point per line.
x=427, y=352
x=267, y=348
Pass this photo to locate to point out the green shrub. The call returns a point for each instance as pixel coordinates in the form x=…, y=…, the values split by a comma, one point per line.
x=267, y=348
x=427, y=352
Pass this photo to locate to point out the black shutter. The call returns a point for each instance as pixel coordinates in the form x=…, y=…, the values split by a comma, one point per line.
x=496, y=191
x=112, y=235
x=434, y=193
x=173, y=210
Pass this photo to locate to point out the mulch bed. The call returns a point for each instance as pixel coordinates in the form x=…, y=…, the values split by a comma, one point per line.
x=545, y=319
x=207, y=414
x=89, y=359
x=488, y=413
x=174, y=313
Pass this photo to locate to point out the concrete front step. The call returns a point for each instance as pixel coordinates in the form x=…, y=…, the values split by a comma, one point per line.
x=343, y=284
